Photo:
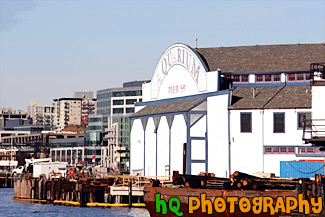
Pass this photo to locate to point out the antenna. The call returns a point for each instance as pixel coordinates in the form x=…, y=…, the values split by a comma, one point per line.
x=196, y=43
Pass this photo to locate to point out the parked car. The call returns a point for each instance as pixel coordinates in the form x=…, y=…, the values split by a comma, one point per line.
x=18, y=170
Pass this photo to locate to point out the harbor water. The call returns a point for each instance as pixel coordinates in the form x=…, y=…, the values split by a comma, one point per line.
x=11, y=207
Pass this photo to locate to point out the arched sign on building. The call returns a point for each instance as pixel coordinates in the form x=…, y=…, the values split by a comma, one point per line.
x=180, y=72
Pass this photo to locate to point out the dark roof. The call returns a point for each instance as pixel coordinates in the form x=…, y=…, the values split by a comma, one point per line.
x=172, y=107
x=263, y=58
x=291, y=97
x=67, y=99
x=252, y=97
x=285, y=97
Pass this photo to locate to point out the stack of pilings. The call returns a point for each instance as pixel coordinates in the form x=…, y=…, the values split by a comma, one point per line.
x=203, y=180
x=243, y=181
x=248, y=182
x=82, y=190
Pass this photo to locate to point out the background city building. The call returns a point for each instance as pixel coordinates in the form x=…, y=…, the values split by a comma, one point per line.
x=73, y=111
x=10, y=118
x=41, y=114
x=114, y=107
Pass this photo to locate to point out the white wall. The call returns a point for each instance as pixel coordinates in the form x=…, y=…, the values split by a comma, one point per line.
x=292, y=135
x=178, y=138
x=137, y=142
x=150, y=164
x=318, y=102
x=247, y=153
x=217, y=111
x=146, y=92
x=212, y=81
x=246, y=148
x=163, y=147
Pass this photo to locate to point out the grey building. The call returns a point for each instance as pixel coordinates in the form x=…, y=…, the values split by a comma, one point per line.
x=114, y=106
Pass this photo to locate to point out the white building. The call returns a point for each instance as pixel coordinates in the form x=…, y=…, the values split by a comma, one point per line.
x=188, y=108
x=41, y=114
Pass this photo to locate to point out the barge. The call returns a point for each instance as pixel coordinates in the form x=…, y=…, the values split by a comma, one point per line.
x=202, y=196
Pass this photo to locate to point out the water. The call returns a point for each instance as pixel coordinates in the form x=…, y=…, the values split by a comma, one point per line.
x=10, y=207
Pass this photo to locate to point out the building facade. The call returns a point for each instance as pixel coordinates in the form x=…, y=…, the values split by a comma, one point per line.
x=227, y=109
x=116, y=105
x=41, y=114
x=10, y=118
x=72, y=111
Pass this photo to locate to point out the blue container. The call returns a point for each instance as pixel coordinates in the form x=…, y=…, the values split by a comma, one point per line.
x=301, y=169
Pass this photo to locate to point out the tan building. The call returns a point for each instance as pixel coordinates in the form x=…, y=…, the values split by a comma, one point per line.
x=41, y=114
x=72, y=111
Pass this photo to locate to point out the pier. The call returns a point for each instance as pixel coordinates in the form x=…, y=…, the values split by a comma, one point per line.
x=114, y=190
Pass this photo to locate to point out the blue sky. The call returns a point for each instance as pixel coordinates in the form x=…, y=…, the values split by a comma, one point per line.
x=52, y=48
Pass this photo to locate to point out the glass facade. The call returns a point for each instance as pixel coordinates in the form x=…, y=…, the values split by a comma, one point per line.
x=118, y=108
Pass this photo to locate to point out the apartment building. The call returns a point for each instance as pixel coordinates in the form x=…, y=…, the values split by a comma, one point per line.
x=72, y=111
x=41, y=114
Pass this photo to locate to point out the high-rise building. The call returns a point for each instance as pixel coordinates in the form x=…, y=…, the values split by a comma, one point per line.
x=72, y=111
x=114, y=107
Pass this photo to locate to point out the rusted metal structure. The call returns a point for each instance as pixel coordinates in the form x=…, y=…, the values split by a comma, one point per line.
x=238, y=185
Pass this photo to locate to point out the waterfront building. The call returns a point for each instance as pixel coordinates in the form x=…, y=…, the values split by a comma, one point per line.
x=41, y=114
x=219, y=110
x=60, y=146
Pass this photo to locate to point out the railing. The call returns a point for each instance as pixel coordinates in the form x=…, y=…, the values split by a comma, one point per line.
x=314, y=130
x=317, y=70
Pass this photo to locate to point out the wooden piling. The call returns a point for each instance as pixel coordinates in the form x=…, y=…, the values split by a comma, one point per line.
x=130, y=193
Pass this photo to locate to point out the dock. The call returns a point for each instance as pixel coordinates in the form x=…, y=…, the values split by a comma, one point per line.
x=114, y=190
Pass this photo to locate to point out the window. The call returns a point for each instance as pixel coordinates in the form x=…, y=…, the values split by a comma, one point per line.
x=283, y=150
x=278, y=122
x=238, y=78
x=291, y=150
x=118, y=111
x=118, y=102
x=268, y=78
x=276, y=78
x=302, y=150
x=267, y=150
x=310, y=150
x=300, y=77
x=131, y=101
x=276, y=150
x=244, y=78
x=246, y=122
x=129, y=110
x=291, y=77
x=302, y=117
x=259, y=78
x=279, y=150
